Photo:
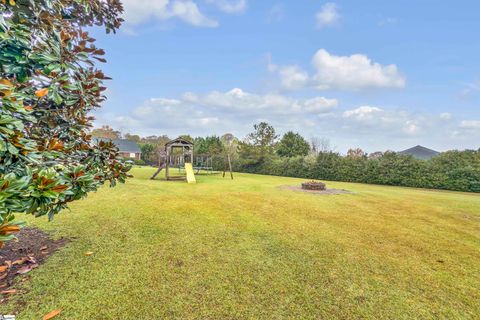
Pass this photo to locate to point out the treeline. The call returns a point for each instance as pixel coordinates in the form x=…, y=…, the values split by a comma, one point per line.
x=452, y=170
x=293, y=156
x=152, y=146
x=264, y=152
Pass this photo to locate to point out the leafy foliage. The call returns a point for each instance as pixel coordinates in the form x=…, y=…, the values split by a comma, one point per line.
x=292, y=145
x=148, y=152
x=259, y=144
x=132, y=137
x=209, y=145
x=187, y=137
x=452, y=170
x=48, y=85
x=158, y=143
x=106, y=132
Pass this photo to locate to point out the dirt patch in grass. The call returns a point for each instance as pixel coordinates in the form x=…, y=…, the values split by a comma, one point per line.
x=319, y=192
x=19, y=257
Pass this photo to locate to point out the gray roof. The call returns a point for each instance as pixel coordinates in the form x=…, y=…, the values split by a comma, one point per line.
x=127, y=146
x=420, y=152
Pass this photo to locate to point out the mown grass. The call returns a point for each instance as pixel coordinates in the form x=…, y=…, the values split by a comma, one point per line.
x=245, y=249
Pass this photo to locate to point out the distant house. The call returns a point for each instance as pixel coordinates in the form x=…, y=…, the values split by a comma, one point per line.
x=420, y=152
x=128, y=149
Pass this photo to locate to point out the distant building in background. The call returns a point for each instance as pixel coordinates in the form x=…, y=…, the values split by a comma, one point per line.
x=127, y=148
x=420, y=152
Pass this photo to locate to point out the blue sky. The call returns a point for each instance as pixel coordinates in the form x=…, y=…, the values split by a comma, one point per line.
x=371, y=74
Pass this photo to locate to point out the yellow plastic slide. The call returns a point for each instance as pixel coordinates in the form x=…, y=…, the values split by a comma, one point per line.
x=190, y=174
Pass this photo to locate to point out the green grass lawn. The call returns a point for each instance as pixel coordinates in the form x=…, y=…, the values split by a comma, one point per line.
x=245, y=249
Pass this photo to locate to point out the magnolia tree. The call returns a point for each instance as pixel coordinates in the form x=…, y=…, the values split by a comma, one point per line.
x=48, y=86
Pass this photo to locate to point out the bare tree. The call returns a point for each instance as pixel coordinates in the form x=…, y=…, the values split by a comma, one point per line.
x=356, y=153
x=320, y=145
x=106, y=132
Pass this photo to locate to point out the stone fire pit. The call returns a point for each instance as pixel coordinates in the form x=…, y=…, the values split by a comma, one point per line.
x=314, y=185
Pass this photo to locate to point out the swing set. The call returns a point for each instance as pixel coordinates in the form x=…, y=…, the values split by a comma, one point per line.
x=178, y=154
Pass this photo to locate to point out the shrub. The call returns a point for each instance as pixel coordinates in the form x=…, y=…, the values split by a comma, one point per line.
x=48, y=85
x=453, y=170
x=138, y=162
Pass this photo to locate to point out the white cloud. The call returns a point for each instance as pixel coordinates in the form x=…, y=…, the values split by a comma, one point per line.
x=468, y=130
x=291, y=77
x=320, y=105
x=208, y=121
x=354, y=72
x=370, y=127
x=230, y=6
x=470, y=124
x=396, y=122
x=237, y=100
x=469, y=89
x=445, y=116
x=411, y=127
x=138, y=12
x=328, y=15
x=218, y=112
x=188, y=11
x=362, y=113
